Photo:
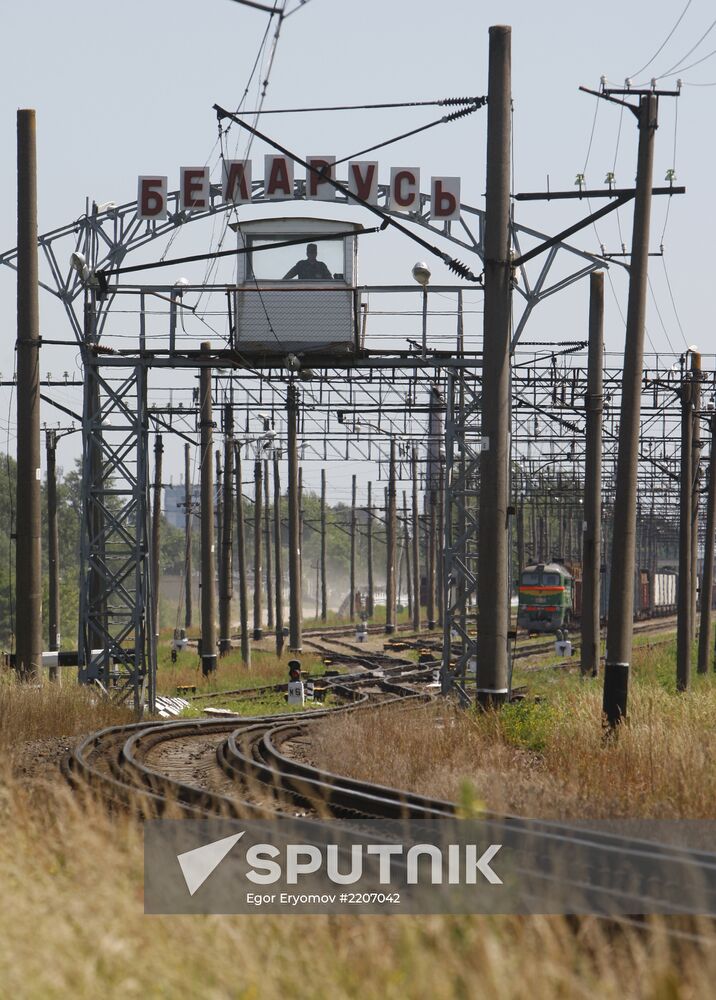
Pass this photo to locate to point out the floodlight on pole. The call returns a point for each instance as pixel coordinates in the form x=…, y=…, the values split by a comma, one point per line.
x=78, y=263
x=421, y=273
x=176, y=293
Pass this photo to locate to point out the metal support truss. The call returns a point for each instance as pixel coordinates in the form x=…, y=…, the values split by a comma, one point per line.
x=115, y=648
x=459, y=578
x=114, y=585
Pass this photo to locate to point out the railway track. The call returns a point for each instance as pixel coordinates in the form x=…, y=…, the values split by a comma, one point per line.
x=242, y=768
x=257, y=767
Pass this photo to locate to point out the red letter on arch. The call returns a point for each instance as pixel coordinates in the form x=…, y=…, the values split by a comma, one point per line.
x=194, y=188
x=237, y=181
x=278, y=177
x=404, y=189
x=363, y=179
x=445, y=198
x=152, y=197
x=316, y=187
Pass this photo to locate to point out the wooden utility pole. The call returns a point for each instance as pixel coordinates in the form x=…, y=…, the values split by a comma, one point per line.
x=258, y=499
x=267, y=546
x=241, y=559
x=592, y=528
x=406, y=547
x=416, y=543
x=53, y=562
x=370, y=603
x=439, y=548
x=219, y=505
x=227, y=536
x=278, y=549
x=353, y=551
x=28, y=520
x=391, y=546
x=696, y=376
x=208, y=568
x=324, y=582
x=684, y=628
x=188, y=516
x=707, y=578
x=621, y=590
x=493, y=591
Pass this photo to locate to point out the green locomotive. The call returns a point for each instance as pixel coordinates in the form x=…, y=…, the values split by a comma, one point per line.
x=546, y=597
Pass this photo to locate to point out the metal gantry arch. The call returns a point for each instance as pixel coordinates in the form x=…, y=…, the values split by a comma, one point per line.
x=115, y=640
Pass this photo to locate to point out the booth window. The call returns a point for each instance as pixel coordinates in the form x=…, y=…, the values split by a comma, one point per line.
x=309, y=261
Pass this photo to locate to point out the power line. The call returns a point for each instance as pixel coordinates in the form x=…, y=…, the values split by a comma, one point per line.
x=683, y=69
x=678, y=22
x=678, y=63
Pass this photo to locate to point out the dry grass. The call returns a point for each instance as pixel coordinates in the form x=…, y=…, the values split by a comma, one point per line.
x=548, y=759
x=72, y=922
x=72, y=925
x=44, y=711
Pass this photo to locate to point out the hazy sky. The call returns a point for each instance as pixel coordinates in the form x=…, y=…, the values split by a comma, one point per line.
x=124, y=89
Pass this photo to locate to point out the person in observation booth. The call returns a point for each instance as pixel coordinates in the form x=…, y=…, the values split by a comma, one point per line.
x=310, y=268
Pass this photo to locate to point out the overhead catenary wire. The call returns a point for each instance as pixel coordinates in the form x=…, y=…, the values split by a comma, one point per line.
x=239, y=251
x=443, y=102
x=454, y=265
x=421, y=128
x=264, y=88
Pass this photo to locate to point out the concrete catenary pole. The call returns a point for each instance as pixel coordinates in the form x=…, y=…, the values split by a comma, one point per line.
x=53, y=562
x=188, y=518
x=493, y=591
x=621, y=588
x=592, y=527
x=390, y=546
x=208, y=566
x=406, y=546
x=324, y=581
x=241, y=560
x=267, y=549
x=440, y=548
x=278, y=549
x=258, y=500
x=295, y=623
x=301, y=527
x=219, y=516
x=707, y=579
x=28, y=523
x=696, y=376
x=684, y=607
x=227, y=536
x=416, y=543
x=370, y=602
x=156, y=531
x=353, y=551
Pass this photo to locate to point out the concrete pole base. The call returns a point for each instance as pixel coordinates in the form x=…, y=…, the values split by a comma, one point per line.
x=208, y=664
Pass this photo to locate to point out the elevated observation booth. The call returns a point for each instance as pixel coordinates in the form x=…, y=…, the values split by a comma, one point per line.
x=296, y=290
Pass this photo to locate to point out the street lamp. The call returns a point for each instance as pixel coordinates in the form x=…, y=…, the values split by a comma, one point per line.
x=421, y=273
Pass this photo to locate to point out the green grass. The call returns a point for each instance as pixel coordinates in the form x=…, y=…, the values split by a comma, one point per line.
x=271, y=703
x=231, y=674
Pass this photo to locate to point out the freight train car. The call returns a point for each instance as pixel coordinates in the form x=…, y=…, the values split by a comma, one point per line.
x=546, y=594
x=664, y=594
